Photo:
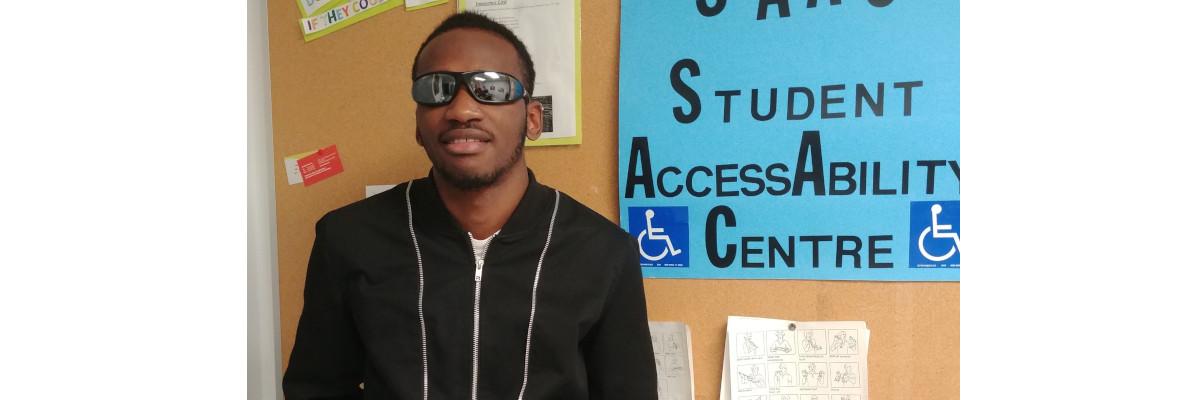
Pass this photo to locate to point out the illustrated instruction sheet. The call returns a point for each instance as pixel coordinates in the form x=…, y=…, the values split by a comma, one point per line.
x=672, y=359
x=774, y=359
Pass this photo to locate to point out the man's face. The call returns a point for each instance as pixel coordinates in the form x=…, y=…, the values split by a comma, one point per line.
x=471, y=144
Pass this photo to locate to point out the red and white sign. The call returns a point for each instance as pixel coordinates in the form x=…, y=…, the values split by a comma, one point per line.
x=319, y=165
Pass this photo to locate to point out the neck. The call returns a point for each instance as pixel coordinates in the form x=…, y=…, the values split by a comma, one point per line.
x=484, y=211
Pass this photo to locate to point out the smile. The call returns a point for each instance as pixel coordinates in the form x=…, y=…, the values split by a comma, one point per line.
x=465, y=146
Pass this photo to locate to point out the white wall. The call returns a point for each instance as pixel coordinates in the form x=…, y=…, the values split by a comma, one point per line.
x=262, y=345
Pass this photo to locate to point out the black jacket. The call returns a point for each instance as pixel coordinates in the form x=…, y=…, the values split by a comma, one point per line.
x=360, y=322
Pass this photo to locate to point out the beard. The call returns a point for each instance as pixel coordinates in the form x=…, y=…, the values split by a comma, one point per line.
x=465, y=181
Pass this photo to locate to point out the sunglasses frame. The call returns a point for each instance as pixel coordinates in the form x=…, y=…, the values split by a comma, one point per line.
x=461, y=80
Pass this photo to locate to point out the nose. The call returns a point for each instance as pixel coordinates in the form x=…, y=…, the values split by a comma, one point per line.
x=463, y=108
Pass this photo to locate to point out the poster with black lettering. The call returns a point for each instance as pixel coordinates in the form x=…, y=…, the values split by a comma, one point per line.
x=776, y=139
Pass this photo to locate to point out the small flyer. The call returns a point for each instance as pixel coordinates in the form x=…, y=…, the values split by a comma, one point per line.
x=312, y=166
x=773, y=359
x=321, y=18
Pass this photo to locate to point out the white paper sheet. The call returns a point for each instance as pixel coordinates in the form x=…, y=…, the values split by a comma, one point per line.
x=291, y=167
x=377, y=189
x=773, y=359
x=310, y=6
x=673, y=359
x=548, y=29
x=411, y=5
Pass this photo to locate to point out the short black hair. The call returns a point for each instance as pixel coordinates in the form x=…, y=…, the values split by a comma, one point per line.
x=472, y=20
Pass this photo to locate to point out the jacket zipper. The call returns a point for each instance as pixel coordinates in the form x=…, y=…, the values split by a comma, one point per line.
x=479, y=259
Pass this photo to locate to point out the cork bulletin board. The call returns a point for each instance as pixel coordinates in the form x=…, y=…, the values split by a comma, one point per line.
x=350, y=89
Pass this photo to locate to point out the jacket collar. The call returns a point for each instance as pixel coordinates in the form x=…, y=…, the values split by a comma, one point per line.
x=531, y=216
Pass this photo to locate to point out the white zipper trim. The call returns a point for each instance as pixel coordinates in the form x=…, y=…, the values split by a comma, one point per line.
x=537, y=274
x=420, y=295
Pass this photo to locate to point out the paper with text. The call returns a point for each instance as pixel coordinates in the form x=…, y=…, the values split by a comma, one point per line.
x=292, y=169
x=550, y=31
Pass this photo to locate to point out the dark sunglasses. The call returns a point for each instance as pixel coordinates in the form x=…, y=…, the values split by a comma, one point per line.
x=487, y=87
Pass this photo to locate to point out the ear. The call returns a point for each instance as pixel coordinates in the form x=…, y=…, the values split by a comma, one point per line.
x=533, y=119
x=417, y=134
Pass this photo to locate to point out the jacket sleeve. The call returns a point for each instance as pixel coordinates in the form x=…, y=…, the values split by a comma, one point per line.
x=620, y=358
x=327, y=360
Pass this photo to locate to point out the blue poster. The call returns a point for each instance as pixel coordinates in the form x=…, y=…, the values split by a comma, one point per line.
x=803, y=139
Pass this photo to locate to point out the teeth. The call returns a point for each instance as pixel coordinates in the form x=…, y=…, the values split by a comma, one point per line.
x=464, y=140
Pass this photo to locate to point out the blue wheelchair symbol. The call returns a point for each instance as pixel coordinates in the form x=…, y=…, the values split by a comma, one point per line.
x=662, y=235
x=935, y=227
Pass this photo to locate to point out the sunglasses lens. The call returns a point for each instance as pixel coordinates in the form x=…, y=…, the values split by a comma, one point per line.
x=434, y=89
x=494, y=87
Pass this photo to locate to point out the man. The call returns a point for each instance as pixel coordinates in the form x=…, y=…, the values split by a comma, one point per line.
x=476, y=282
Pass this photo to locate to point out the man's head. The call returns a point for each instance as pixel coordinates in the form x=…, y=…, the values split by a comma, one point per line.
x=473, y=144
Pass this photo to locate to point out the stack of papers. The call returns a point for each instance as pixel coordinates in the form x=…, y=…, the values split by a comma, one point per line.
x=774, y=359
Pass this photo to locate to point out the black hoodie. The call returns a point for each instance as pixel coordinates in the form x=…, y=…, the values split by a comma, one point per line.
x=361, y=321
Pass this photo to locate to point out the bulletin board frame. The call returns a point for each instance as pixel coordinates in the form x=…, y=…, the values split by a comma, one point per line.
x=350, y=89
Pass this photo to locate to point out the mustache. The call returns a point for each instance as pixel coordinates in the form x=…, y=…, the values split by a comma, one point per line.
x=455, y=131
x=465, y=125
x=456, y=128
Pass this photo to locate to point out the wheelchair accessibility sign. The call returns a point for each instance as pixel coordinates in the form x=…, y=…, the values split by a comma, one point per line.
x=934, y=234
x=662, y=235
